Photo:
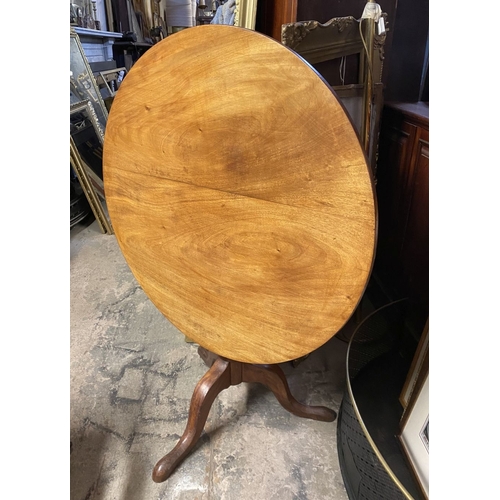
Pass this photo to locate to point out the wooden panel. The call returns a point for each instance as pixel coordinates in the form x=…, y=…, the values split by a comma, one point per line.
x=415, y=249
x=285, y=11
x=271, y=14
x=239, y=194
x=393, y=176
x=403, y=195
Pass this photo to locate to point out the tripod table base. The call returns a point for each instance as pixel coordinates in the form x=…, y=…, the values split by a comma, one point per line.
x=222, y=374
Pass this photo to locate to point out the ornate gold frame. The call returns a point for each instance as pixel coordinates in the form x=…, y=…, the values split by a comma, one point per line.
x=84, y=84
x=90, y=194
x=341, y=37
x=88, y=108
x=316, y=42
x=87, y=178
x=245, y=14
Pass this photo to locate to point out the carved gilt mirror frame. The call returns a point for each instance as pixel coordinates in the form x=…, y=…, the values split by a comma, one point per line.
x=337, y=38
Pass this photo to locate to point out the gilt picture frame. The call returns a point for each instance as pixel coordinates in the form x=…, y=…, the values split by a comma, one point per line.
x=245, y=14
x=89, y=139
x=83, y=85
x=90, y=194
x=86, y=146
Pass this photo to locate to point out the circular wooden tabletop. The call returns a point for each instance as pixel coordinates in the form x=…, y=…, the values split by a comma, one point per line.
x=239, y=194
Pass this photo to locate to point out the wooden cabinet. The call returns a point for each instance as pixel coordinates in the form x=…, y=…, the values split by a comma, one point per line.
x=402, y=262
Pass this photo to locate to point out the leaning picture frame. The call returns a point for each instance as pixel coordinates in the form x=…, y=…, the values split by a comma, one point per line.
x=90, y=194
x=89, y=139
x=86, y=147
x=83, y=85
x=245, y=14
x=418, y=368
x=414, y=436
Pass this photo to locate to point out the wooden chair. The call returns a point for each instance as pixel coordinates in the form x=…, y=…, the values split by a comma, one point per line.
x=334, y=45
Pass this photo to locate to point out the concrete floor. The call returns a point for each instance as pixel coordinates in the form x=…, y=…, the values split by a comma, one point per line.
x=132, y=377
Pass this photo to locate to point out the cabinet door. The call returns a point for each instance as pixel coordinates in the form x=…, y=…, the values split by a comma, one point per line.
x=402, y=261
x=415, y=249
x=393, y=186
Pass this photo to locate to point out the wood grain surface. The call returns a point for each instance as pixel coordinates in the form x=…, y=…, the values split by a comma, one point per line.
x=239, y=194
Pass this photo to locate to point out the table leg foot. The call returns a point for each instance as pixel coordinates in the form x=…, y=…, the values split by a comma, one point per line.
x=210, y=385
x=273, y=378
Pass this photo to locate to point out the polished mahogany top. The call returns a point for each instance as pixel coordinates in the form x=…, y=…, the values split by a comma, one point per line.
x=239, y=193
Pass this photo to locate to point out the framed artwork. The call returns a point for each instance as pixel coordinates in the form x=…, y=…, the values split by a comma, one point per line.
x=90, y=194
x=89, y=139
x=83, y=86
x=86, y=146
x=414, y=437
x=418, y=368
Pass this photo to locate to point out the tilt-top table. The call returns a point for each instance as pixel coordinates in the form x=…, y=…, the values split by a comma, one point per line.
x=242, y=201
